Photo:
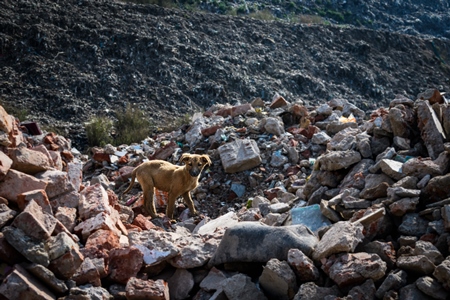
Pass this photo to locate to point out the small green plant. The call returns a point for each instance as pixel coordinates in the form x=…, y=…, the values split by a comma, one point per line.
x=98, y=131
x=308, y=19
x=19, y=113
x=264, y=15
x=131, y=126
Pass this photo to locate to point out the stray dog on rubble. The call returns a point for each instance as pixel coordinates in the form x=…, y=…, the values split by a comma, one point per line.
x=175, y=180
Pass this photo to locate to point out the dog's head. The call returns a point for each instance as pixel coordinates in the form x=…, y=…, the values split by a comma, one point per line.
x=195, y=163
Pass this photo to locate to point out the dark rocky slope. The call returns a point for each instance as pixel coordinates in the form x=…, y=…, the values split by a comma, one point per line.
x=65, y=61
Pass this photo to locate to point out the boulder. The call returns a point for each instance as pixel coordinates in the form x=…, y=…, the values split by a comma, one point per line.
x=15, y=183
x=253, y=242
x=28, y=161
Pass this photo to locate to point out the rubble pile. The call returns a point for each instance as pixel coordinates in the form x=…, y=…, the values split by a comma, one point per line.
x=301, y=202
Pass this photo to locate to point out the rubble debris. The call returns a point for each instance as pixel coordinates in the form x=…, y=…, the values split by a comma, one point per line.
x=376, y=222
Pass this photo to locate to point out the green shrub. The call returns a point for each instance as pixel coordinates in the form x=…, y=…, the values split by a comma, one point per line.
x=98, y=131
x=131, y=126
x=19, y=113
x=264, y=15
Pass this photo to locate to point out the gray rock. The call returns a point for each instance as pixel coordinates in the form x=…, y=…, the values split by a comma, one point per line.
x=320, y=138
x=180, y=284
x=337, y=160
x=336, y=126
x=344, y=140
x=279, y=207
x=376, y=186
x=241, y=287
x=311, y=291
x=88, y=291
x=429, y=250
x=437, y=189
x=385, y=251
x=32, y=249
x=341, y=237
x=408, y=182
x=420, y=168
x=19, y=284
x=356, y=176
x=365, y=291
x=6, y=214
x=403, y=206
x=46, y=276
x=413, y=224
x=411, y=292
x=419, y=264
x=442, y=273
x=239, y=155
x=430, y=128
x=254, y=242
x=214, y=280
x=277, y=280
x=392, y=168
x=394, y=281
x=431, y=287
x=274, y=126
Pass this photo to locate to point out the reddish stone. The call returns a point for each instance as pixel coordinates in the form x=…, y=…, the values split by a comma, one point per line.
x=94, y=199
x=67, y=216
x=210, y=130
x=224, y=112
x=299, y=110
x=124, y=263
x=123, y=160
x=241, y=109
x=16, y=183
x=6, y=123
x=164, y=152
x=94, y=253
x=101, y=157
x=67, y=155
x=143, y=222
x=56, y=159
x=103, y=239
x=125, y=173
x=5, y=164
x=51, y=140
x=278, y=102
x=40, y=196
x=71, y=199
x=309, y=131
x=34, y=222
x=100, y=221
x=138, y=289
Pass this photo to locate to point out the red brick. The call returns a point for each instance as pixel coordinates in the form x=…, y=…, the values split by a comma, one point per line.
x=124, y=263
x=138, y=289
x=16, y=183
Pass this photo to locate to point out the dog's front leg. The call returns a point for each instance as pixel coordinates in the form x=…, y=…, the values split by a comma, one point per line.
x=188, y=200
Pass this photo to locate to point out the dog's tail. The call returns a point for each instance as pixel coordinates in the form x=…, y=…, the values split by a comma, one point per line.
x=133, y=178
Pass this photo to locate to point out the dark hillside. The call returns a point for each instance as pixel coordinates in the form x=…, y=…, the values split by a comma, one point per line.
x=65, y=61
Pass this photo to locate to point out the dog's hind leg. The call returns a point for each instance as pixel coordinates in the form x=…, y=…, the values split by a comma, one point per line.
x=190, y=203
x=149, y=204
x=170, y=206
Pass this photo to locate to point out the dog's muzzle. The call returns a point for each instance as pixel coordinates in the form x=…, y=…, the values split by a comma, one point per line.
x=194, y=173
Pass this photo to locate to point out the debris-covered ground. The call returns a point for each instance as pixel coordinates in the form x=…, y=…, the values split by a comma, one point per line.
x=301, y=202
x=62, y=62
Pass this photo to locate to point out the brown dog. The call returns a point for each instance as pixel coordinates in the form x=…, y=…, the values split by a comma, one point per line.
x=176, y=180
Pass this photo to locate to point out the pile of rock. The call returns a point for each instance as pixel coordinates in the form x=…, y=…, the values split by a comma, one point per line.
x=309, y=202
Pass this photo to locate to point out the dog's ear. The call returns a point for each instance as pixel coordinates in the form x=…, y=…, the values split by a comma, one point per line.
x=185, y=157
x=206, y=159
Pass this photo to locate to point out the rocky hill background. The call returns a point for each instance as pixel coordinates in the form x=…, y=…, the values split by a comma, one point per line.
x=62, y=62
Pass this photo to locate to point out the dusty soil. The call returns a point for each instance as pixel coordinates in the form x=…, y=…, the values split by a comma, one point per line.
x=66, y=61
